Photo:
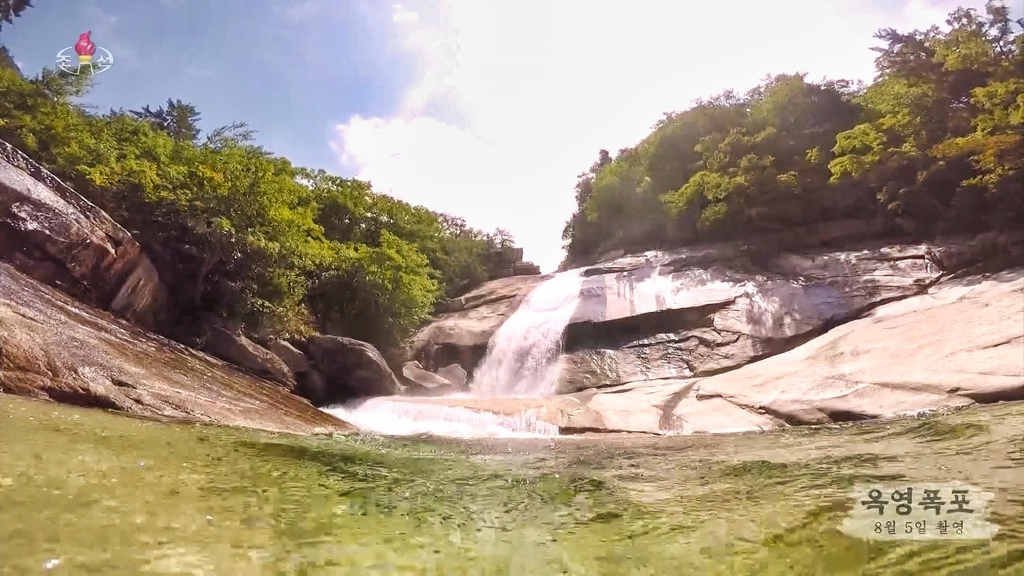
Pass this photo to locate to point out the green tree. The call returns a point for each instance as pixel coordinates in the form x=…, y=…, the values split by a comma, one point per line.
x=934, y=145
x=179, y=119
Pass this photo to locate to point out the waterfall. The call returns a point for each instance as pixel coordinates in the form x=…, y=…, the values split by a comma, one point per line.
x=521, y=361
x=522, y=355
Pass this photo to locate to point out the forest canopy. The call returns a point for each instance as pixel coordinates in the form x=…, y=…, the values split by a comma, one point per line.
x=935, y=145
x=241, y=236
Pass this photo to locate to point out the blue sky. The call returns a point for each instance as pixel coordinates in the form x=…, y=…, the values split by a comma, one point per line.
x=483, y=109
x=290, y=69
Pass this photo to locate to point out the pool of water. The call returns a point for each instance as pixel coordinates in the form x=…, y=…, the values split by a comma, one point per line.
x=87, y=492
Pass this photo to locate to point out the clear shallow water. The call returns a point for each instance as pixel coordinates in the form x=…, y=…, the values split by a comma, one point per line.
x=87, y=492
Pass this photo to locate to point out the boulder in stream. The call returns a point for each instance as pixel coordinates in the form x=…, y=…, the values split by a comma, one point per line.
x=425, y=383
x=455, y=374
x=351, y=369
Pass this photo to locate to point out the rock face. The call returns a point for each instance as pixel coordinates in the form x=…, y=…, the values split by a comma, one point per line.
x=958, y=343
x=460, y=335
x=242, y=352
x=49, y=232
x=350, y=369
x=705, y=310
x=52, y=347
x=665, y=317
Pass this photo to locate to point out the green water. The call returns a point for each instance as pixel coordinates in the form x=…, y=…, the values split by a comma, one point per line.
x=86, y=492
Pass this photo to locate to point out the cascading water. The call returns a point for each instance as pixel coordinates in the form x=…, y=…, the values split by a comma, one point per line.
x=395, y=417
x=521, y=361
x=522, y=356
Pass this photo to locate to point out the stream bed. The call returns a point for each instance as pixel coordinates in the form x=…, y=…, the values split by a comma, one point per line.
x=90, y=492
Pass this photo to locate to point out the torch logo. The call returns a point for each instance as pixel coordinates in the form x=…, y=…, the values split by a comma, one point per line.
x=86, y=58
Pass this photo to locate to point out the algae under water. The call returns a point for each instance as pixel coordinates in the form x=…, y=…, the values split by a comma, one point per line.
x=89, y=492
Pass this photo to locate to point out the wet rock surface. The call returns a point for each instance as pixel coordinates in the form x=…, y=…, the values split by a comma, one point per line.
x=55, y=348
x=707, y=310
x=460, y=335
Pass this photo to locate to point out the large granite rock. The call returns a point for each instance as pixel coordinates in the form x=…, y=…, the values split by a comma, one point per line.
x=51, y=233
x=460, y=334
x=290, y=355
x=681, y=314
x=455, y=374
x=350, y=369
x=55, y=348
x=421, y=382
x=237, y=349
x=959, y=343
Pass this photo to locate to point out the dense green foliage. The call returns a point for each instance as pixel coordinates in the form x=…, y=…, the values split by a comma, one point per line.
x=935, y=145
x=240, y=235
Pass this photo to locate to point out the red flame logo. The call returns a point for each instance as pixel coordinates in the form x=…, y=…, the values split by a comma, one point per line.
x=84, y=46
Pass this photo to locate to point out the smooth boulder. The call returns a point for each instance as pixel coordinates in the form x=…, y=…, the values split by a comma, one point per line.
x=248, y=355
x=290, y=355
x=455, y=374
x=351, y=369
x=422, y=382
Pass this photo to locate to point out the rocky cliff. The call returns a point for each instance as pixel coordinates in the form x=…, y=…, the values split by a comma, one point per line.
x=719, y=339
x=49, y=232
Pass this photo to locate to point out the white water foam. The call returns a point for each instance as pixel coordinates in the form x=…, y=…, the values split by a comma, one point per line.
x=391, y=416
x=522, y=355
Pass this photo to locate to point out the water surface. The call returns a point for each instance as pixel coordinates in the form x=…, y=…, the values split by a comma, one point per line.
x=87, y=492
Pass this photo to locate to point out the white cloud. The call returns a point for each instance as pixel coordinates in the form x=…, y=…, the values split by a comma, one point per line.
x=515, y=99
